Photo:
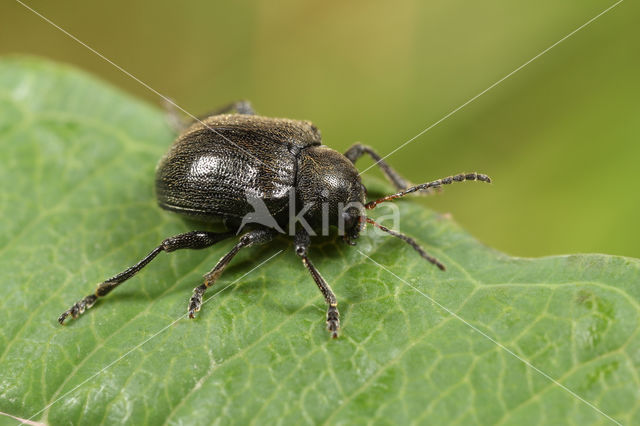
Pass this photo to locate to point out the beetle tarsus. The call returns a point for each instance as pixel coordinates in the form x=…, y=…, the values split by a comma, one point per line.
x=196, y=300
x=258, y=236
x=78, y=308
x=333, y=320
x=301, y=243
x=190, y=240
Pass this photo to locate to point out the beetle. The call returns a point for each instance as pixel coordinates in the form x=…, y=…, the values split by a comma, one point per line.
x=217, y=164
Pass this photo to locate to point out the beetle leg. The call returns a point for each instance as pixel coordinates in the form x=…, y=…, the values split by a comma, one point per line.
x=302, y=242
x=240, y=107
x=258, y=236
x=357, y=150
x=179, y=123
x=176, y=122
x=189, y=240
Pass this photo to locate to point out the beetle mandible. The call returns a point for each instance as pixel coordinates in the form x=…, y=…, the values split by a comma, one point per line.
x=218, y=161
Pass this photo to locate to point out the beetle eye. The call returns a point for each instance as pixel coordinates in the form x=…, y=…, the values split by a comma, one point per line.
x=348, y=219
x=364, y=190
x=351, y=219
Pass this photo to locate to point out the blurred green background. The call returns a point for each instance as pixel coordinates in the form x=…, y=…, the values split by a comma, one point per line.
x=559, y=137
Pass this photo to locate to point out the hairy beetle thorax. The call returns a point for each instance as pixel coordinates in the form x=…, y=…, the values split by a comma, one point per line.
x=328, y=187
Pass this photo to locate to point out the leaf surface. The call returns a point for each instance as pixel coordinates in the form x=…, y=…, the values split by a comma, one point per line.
x=77, y=159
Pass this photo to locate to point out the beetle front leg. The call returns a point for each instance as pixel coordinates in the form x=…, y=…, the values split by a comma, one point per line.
x=357, y=150
x=258, y=236
x=302, y=242
x=189, y=240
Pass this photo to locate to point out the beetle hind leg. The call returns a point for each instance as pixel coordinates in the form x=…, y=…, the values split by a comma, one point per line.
x=189, y=240
x=258, y=236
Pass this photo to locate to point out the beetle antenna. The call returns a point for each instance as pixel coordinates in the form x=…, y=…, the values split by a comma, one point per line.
x=434, y=184
x=407, y=240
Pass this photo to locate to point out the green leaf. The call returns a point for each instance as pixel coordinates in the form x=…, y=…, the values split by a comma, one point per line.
x=77, y=160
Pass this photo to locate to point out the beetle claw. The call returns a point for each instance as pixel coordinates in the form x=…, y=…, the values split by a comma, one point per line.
x=333, y=321
x=78, y=308
x=62, y=317
x=193, y=309
x=196, y=300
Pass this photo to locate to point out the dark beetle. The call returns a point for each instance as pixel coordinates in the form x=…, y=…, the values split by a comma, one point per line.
x=219, y=164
